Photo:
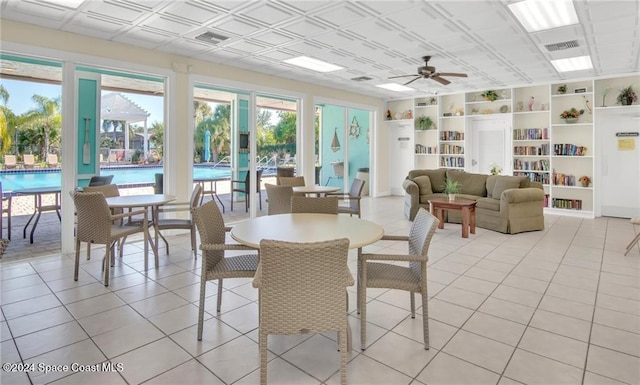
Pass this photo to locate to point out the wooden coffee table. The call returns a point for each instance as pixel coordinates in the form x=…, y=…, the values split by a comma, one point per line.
x=466, y=207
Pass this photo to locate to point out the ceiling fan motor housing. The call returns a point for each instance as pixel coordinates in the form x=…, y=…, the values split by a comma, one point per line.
x=426, y=70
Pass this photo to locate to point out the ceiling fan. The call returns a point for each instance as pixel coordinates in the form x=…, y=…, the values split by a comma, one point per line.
x=429, y=72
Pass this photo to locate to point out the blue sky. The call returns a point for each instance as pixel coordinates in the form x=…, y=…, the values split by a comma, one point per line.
x=20, y=93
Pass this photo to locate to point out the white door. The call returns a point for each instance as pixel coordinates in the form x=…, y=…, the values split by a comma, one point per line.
x=619, y=165
x=490, y=144
x=401, y=154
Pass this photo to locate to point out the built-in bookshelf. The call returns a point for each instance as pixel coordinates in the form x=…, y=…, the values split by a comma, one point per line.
x=426, y=132
x=452, y=131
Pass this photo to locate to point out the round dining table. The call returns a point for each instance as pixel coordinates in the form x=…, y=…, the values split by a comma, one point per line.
x=314, y=190
x=307, y=228
x=145, y=201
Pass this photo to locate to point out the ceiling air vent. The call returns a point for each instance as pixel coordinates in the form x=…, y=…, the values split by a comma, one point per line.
x=562, y=46
x=361, y=79
x=211, y=38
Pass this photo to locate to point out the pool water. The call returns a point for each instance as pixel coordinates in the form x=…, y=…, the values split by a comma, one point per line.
x=20, y=179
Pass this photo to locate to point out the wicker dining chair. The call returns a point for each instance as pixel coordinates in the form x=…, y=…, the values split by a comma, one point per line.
x=215, y=266
x=302, y=289
x=279, y=198
x=354, y=195
x=109, y=191
x=100, y=180
x=412, y=278
x=95, y=224
x=290, y=181
x=180, y=223
x=313, y=205
x=244, y=186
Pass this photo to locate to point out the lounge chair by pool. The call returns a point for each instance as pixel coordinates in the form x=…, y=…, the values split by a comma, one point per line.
x=28, y=161
x=10, y=162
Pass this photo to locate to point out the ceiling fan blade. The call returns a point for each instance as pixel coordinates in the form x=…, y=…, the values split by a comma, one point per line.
x=401, y=76
x=452, y=74
x=440, y=80
x=412, y=80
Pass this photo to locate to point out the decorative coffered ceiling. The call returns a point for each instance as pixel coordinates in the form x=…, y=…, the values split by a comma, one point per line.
x=376, y=39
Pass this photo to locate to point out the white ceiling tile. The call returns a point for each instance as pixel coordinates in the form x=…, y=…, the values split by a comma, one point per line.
x=194, y=12
x=236, y=26
x=303, y=6
x=268, y=13
x=303, y=27
x=168, y=25
x=279, y=55
x=272, y=38
x=247, y=46
x=46, y=10
x=341, y=14
x=113, y=10
x=187, y=47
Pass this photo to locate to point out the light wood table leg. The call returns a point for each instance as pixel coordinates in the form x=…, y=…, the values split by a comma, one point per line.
x=465, y=222
x=472, y=212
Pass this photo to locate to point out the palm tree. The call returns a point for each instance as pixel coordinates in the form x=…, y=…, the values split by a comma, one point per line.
x=201, y=111
x=6, y=115
x=46, y=115
x=157, y=138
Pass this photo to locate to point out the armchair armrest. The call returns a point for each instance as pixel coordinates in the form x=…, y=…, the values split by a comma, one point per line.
x=410, y=187
x=395, y=238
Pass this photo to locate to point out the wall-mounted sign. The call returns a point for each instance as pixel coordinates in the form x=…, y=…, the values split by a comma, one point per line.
x=627, y=134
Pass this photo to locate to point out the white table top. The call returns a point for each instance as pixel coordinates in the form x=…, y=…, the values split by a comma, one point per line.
x=307, y=228
x=144, y=200
x=313, y=189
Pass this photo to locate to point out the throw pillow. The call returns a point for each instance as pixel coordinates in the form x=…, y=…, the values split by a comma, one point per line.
x=424, y=185
x=504, y=184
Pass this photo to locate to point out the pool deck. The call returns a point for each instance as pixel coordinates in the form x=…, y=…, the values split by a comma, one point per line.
x=47, y=234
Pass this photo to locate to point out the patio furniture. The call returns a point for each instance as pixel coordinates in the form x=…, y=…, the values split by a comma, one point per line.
x=215, y=266
x=314, y=190
x=158, y=185
x=285, y=172
x=244, y=187
x=290, y=181
x=385, y=273
x=108, y=190
x=279, y=199
x=179, y=223
x=211, y=190
x=10, y=162
x=303, y=290
x=96, y=225
x=634, y=221
x=39, y=208
x=28, y=161
x=312, y=205
x=100, y=180
x=5, y=207
x=354, y=195
x=52, y=161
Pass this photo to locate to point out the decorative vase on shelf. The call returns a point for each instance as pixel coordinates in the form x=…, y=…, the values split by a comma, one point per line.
x=452, y=197
x=571, y=120
x=627, y=101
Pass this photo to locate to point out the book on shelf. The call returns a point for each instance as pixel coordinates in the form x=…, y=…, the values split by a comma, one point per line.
x=451, y=149
x=560, y=179
x=567, y=149
x=451, y=161
x=451, y=135
x=420, y=149
x=541, y=177
x=570, y=204
x=535, y=165
x=531, y=134
x=531, y=150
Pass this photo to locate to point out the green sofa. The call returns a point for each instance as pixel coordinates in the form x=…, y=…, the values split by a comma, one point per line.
x=507, y=204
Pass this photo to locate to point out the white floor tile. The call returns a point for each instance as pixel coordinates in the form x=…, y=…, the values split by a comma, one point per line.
x=554, y=346
x=496, y=328
x=530, y=368
x=619, y=366
x=190, y=373
x=446, y=369
x=403, y=354
x=151, y=360
x=479, y=350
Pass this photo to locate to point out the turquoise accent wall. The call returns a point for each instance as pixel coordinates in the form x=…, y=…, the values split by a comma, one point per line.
x=356, y=140
x=87, y=107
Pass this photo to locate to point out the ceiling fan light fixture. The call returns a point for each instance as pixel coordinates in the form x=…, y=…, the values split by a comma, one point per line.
x=536, y=15
x=313, y=64
x=395, y=87
x=577, y=63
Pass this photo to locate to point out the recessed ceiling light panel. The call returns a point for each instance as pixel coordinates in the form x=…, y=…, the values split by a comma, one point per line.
x=577, y=63
x=395, y=87
x=313, y=64
x=538, y=15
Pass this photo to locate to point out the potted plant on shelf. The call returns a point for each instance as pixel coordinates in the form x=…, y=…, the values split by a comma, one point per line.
x=627, y=96
x=584, y=180
x=451, y=188
x=571, y=115
x=425, y=123
x=490, y=95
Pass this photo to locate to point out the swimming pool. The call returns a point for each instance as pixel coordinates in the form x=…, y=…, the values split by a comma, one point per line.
x=122, y=176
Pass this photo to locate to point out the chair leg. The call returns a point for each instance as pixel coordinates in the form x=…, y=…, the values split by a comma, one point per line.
x=425, y=316
x=203, y=287
x=413, y=304
x=342, y=340
x=77, y=264
x=359, y=280
x=88, y=251
x=194, y=247
x=263, y=357
x=362, y=293
x=635, y=240
x=105, y=264
x=219, y=304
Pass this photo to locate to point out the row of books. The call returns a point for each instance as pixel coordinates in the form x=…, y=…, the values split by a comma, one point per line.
x=569, y=149
x=531, y=133
x=560, y=179
x=451, y=161
x=534, y=176
x=451, y=149
x=420, y=149
x=451, y=135
x=571, y=204
x=531, y=150
x=545, y=202
x=537, y=165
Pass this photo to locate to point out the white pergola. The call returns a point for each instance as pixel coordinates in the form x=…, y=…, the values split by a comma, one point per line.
x=116, y=106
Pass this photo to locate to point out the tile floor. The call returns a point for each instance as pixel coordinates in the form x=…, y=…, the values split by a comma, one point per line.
x=560, y=306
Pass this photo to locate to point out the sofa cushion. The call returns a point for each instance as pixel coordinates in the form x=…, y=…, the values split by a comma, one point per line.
x=502, y=184
x=470, y=184
x=523, y=182
x=488, y=204
x=424, y=185
x=437, y=178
